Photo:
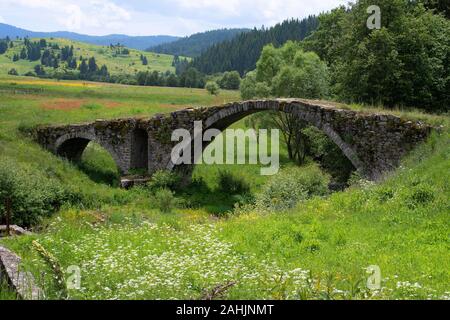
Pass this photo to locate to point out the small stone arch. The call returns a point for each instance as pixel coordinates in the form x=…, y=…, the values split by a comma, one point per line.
x=72, y=146
x=140, y=149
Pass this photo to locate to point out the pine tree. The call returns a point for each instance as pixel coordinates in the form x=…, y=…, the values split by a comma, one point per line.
x=84, y=67
x=3, y=47
x=72, y=64
x=92, y=65
x=23, y=54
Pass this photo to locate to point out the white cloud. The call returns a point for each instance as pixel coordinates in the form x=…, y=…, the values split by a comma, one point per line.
x=143, y=17
x=80, y=14
x=2, y=20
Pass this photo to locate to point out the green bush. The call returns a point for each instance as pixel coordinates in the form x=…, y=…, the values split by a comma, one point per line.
x=164, y=180
x=13, y=72
x=213, y=88
x=33, y=194
x=164, y=200
x=285, y=190
x=419, y=196
x=230, y=184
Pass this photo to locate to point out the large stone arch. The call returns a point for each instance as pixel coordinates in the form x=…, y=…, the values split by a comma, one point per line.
x=225, y=117
x=72, y=145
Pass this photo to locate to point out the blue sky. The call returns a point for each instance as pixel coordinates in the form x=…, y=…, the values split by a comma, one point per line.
x=140, y=17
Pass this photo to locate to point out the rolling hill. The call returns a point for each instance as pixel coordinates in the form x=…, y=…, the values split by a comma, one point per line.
x=135, y=42
x=104, y=55
x=197, y=43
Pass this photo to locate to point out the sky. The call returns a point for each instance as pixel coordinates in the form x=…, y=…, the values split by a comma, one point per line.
x=152, y=17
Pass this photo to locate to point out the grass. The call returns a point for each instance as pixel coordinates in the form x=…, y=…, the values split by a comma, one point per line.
x=5, y=291
x=120, y=64
x=128, y=249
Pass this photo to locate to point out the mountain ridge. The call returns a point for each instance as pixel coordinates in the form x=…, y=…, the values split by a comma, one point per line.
x=134, y=42
x=194, y=45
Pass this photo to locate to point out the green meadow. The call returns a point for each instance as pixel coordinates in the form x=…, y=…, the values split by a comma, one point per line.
x=138, y=244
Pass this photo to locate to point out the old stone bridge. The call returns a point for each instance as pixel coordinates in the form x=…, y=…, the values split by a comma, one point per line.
x=374, y=143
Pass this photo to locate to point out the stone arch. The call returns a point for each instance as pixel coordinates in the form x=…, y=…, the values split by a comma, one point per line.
x=71, y=146
x=229, y=115
x=140, y=149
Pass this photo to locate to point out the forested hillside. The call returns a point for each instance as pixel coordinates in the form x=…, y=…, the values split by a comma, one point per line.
x=197, y=43
x=242, y=52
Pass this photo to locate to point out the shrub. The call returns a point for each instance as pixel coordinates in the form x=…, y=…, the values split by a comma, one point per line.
x=164, y=200
x=286, y=189
x=33, y=195
x=164, y=180
x=13, y=72
x=419, y=196
x=230, y=184
x=212, y=87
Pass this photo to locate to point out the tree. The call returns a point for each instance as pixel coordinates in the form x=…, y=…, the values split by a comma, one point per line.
x=39, y=70
x=16, y=57
x=46, y=58
x=230, y=80
x=72, y=64
x=104, y=71
x=92, y=65
x=84, y=69
x=3, y=46
x=213, y=88
x=172, y=80
x=23, y=54
x=440, y=6
x=405, y=63
x=288, y=72
x=192, y=78
x=33, y=51
x=144, y=60
x=152, y=79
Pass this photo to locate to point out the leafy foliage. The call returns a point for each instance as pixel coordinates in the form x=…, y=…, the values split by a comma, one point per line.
x=287, y=72
x=231, y=184
x=164, y=200
x=212, y=87
x=230, y=80
x=405, y=63
x=33, y=195
x=164, y=180
x=286, y=189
